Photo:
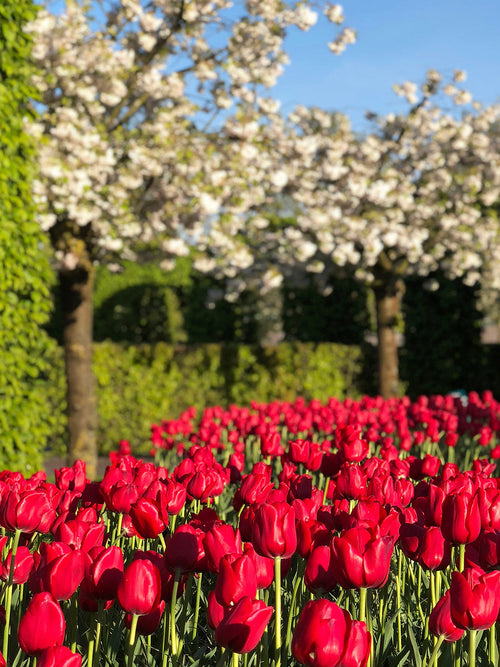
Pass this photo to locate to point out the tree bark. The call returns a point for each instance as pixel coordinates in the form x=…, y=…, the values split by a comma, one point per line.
x=388, y=303
x=76, y=287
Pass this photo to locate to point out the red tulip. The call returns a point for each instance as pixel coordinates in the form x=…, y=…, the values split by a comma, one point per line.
x=42, y=625
x=441, y=623
x=273, y=531
x=140, y=588
x=319, y=575
x=64, y=574
x=105, y=574
x=237, y=578
x=242, y=627
x=147, y=518
x=26, y=511
x=361, y=557
x=148, y=623
x=264, y=567
x=326, y=636
x=59, y=656
x=219, y=540
x=184, y=549
x=461, y=522
x=474, y=598
x=23, y=564
x=215, y=611
x=426, y=546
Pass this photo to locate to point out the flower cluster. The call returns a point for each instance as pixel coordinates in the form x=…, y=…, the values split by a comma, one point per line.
x=288, y=531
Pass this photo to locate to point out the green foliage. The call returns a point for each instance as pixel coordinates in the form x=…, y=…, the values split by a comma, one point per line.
x=25, y=275
x=442, y=349
x=140, y=385
x=342, y=316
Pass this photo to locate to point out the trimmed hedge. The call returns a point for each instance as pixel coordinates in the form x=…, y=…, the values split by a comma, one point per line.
x=139, y=385
x=25, y=276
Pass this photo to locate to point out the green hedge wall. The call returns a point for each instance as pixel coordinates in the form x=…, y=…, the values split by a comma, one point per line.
x=25, y=275
x=140, y=385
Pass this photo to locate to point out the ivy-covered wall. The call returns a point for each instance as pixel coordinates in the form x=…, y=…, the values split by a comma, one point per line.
x=25, y=277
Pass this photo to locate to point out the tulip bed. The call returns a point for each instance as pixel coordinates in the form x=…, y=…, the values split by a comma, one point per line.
x=341, y=534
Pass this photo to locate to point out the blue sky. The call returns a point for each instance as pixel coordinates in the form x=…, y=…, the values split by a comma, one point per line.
x=398, y=40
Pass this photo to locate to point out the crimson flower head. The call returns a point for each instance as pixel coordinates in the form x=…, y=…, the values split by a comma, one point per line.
x=42, y=625
x=26, y=511
x=270, y=445
x=273, y=531
x=237, y=578
x=148, y=518
x=184, y=549
x=219, y=540
x=139, y=590
x=242, y=627
x=474, y=598
x=23, y=563
x=351, y=445
x=59, y=656
x=326, y=636
x=461, y=521
x=361, y=557
x=105, y=573
x=440, y=622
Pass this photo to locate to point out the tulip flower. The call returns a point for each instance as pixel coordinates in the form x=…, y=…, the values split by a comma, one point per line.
x=147, y=518
x=184, y=549
x=440, y=622
x=319, y=575
x=242, y=627
x=147, y=623
x=264, y=567
x=474, y=598
x=23, y=564
x=59, y=656
x=105, y=574
x=26, y=511
x=237, y=578
x=361, y=557
x=140, y=588
x=42, y=625
x=461, y=522
x=219, y=540
x=273, y=531
x=326, y=636
x=215, y=611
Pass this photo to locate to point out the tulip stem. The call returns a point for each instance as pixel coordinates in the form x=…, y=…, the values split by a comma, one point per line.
x=277, y=634
x=492, y=646
x=235, y=660
x=131, y=640
x=298, y=581
x=461, y=557
x=472, y=647
x=173, y=602
x=197, y=607
x=435, y=652
x=398, y=599
x=8, y=595
x=362, y=604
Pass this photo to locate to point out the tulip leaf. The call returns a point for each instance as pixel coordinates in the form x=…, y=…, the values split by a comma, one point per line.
x=417, y=661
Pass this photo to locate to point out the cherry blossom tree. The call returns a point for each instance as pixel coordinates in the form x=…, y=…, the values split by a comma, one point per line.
x=129, y=88
x=414, y=195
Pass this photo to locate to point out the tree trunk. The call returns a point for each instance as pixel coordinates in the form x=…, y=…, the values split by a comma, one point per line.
x=388, y=302
x=77, y=310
